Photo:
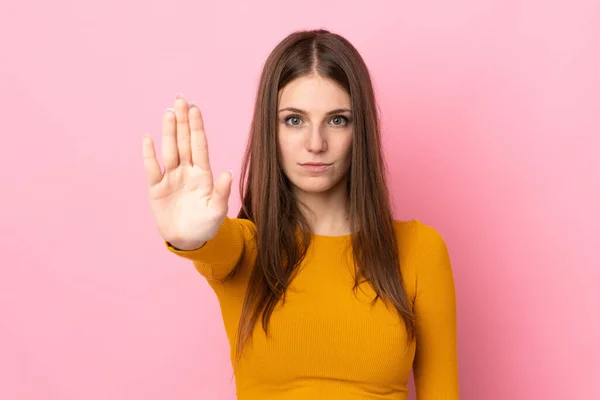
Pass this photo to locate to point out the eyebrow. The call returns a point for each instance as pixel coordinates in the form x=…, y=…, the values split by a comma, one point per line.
x=299, y=111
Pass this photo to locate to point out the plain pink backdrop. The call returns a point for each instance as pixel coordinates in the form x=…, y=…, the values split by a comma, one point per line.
x=490, y=117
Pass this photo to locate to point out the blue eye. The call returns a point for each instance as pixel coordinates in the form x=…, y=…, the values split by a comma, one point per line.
x=342, y=121
x=293, y=118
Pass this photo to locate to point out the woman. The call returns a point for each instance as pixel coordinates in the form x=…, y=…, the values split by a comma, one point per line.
x=323, y=294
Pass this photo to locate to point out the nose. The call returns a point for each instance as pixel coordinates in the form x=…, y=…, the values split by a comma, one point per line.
x=316, y=143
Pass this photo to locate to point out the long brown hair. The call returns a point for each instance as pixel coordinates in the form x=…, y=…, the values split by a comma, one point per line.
x=267, y=197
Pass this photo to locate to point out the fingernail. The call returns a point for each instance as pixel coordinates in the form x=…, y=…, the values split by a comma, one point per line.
x=170, y=109
x=192, y=104
x=179, y=95
x=231, y=172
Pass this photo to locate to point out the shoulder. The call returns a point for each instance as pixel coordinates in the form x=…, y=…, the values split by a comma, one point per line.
x=417, y=233
x=245, y=227
x=422, y=248
x=244, y=224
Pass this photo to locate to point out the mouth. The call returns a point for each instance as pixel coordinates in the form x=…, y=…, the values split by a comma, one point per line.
x=315, y=166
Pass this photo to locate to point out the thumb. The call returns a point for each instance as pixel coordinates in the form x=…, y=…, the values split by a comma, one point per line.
x=222, y=189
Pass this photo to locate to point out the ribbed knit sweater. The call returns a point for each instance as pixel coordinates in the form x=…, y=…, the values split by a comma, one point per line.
x=330, y=342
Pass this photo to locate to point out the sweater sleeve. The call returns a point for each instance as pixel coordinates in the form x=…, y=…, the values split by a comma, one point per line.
x=435, y=365
x=220, y=255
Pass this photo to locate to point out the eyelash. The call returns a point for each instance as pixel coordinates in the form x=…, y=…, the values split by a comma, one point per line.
x=346, y=120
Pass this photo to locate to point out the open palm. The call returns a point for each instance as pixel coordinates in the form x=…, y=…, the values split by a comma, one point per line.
x=187, y=205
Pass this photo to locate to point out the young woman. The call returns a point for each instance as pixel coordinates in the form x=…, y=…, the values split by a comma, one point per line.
x=323, y=294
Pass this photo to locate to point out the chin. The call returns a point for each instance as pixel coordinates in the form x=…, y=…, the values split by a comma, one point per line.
x=314, y=186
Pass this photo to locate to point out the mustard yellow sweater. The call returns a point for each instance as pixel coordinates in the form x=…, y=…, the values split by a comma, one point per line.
x=327, y=341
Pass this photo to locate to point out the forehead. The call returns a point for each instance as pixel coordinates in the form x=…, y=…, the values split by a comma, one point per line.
x=314, y=94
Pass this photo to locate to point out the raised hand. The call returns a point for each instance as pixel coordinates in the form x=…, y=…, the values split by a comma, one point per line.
x=187, y=205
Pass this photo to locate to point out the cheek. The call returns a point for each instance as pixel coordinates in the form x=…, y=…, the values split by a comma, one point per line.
x=345, y=147
x=284, y=152
x=288, y=148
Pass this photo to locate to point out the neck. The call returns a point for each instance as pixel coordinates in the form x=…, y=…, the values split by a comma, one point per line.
x=326, y=212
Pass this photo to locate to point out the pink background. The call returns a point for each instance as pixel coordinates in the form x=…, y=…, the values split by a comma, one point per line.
x=490, y=113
